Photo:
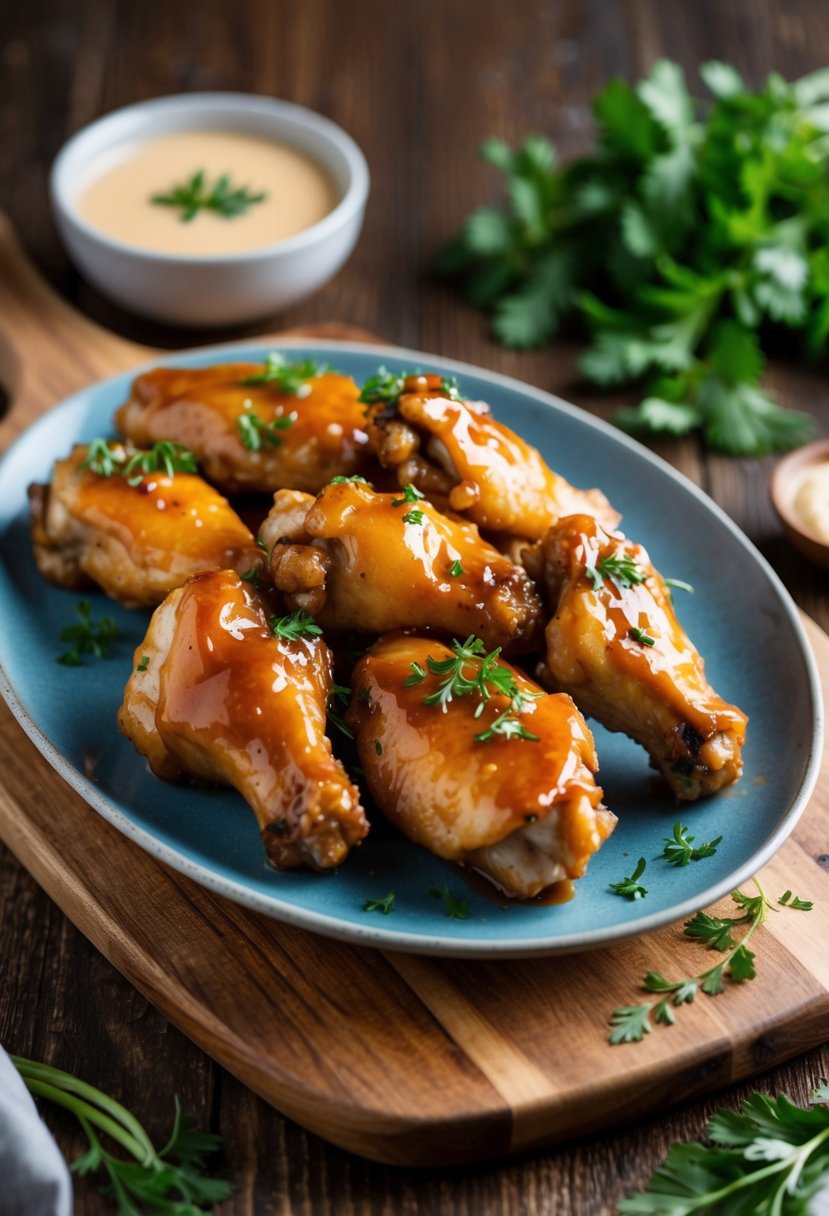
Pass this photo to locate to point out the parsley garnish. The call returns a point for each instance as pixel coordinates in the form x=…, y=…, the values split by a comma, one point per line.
x=253, y=577
x=340, y=479
x=630, y=887
x=771, y=1157
x=679, y=849
x=678, y=584
x=413, y=517
x=289, y=377
x=630, y=1023
x=294, y=626
x=143, y=663
x=223, y=197
x=166, y=456
x=621, y=567
x=388, y=386
x=384, y=905
x=255, y=431
x=802, y=905
x=690, y=230
x=410, y=495
x=455, y=909
x=509, y=726
x=338, y=699
x=378, y=747
x=167, y=1181
x=456, y=569
x=640, y=636
x=90, y=637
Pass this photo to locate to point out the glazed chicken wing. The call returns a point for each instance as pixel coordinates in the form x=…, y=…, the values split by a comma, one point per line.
x=137, y=541
x=252, y=436
x=512, y=795
x=616, y=646
x=376, y=562
x=214, y=694
x=455, y=449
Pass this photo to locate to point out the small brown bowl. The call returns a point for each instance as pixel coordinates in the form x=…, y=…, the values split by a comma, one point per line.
x=785, y=482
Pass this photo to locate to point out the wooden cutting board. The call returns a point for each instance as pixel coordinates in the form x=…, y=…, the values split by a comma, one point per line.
x=397, y=1058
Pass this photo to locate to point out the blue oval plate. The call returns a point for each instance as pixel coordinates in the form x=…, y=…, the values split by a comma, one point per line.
x=740, y=617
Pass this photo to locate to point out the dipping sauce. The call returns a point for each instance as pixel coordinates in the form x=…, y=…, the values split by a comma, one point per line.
x=811, y=502
x=118, y=201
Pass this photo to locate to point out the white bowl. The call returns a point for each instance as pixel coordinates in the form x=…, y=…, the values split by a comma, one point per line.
x=222, y=289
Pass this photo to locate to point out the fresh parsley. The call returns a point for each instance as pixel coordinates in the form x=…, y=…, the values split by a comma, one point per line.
x=143, y=663
x=289, y=377
x=169, y=1180
x=802, y=905
x=413, y=517
x=112, y=459
x=770, y=1158
x=389, y=386
x=621, y=567
x=455, y=909
x=95, y=638
x=195, y=195
x=340, y=480
x=456, y=569
x=296, y=625
x=384, y=905
x=729, y=935
x=690, y=231
x=679, y=848
x=254, y=431
x=641, y=636
x=630, y=887
x=410, y=495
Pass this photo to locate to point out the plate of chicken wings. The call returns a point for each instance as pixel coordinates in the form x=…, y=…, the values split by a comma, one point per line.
x=398, y=650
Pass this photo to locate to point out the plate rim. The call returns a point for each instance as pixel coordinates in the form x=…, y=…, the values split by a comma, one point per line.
x=327, y=925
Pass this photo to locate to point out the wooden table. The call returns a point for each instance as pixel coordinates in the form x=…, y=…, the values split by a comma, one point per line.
x=418, y=84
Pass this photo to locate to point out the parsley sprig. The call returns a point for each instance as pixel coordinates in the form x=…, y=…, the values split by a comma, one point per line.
x=384, y=905
x=94, y=638
x=768, y=1159
x=471, y=671
x=454, y=908
x=687, y=232
x=630, y=887
x=169, y=1180
x=254, y=432
x=289, y=377
x=223, y=198
x=388, y=386
x=729, y=935
x=108, y=459
x=680, y=850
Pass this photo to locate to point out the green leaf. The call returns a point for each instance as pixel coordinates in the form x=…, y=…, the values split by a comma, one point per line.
x=741, y=965
x=659, y=416
x=666, y=96
x=722, y=79
x=744, y=421
x=527, y=205
x=639, y=234
x=536, y=156
x=530, y=316
x=498, y=153
x=713, y=930
x=735, y=354
x=624, y=121
x=812, y=88
x=713, y=984
x=629, y=1024
x=487, y=232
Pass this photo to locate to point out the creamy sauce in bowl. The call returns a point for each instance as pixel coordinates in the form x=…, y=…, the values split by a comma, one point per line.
x=811, y=502
x=284, y=192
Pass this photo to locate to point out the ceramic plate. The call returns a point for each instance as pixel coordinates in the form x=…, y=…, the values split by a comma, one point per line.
x=740, y=617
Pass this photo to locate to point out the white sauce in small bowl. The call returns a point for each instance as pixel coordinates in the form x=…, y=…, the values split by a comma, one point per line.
x=811, y=501
x=117, y=200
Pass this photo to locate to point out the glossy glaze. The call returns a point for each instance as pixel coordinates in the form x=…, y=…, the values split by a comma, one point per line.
x=201, y=408
x=374, y=562
x=657, y=693
x=229, y=702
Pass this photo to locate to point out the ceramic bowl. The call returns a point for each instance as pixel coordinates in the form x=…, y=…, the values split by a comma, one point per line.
x=785, y=483
x=223, y=289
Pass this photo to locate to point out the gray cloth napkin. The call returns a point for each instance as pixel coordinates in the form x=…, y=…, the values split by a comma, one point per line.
x=34, y=1180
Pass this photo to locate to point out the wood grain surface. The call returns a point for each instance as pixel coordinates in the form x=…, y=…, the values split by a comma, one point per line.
x=418, y=86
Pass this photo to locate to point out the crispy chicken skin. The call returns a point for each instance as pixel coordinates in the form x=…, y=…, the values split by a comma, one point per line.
x=454, y=450
x=656, y=693
x=137, y=542
x=524, y=814
x=373, y=562
x=200, y=408
x=223, y=699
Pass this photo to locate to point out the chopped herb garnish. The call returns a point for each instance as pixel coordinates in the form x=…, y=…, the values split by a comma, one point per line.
x=508, y=725
x=222, y=197
x=340, y=479
x=678, y=584
x=630, y=887
x=410, y=495
x=679, y=849
x=378, y=747
x=413, y=517
x=255, y=431
x=417, y=677
x=253, y=577
x=384, y=905
x=388, y=386
x=166, y=456
x=143, y=663
x=104, y=459
x=289, y=377
x=338, y=699
x=456, y=569
x=296, y=625
x=455, y=909
x=621, y=567
x=90, y=637
x=261, y=545
x=643, y=638
x=802, y=905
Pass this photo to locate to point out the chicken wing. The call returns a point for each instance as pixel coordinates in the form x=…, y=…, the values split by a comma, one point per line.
x=137, y=538
x=510, y=792
x=455, y=450
x=373, y=562
x=616, y=646
x=214, y=694
x=252, y=436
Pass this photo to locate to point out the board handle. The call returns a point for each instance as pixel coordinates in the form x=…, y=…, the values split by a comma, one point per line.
x=47, y=348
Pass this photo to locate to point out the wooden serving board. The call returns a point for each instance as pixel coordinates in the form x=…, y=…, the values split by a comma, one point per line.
x=395, y=1057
